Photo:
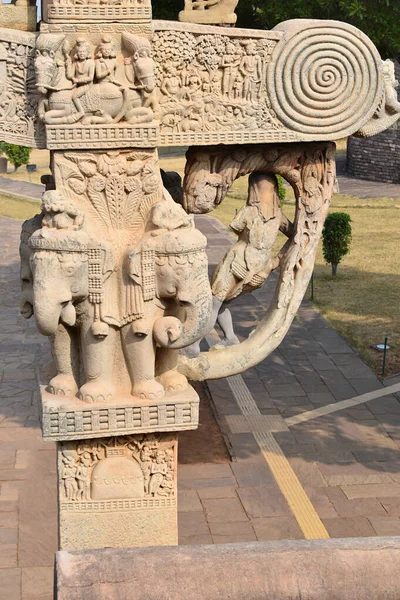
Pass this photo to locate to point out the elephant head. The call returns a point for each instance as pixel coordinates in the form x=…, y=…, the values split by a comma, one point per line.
x=28, y=228
x=59, y=266
x=67, y=266
x=174, y=268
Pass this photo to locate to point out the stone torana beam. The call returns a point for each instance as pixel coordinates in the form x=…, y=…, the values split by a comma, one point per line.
x=115, y=272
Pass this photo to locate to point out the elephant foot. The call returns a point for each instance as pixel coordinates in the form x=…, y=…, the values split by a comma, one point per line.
x=63, y=385
x=151, y=389
x=172, y=381
x=96, y=391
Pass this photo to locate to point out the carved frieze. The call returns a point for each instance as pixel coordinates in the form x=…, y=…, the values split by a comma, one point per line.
x=118, y=491
x=105, y=81
x=19, y=123
x=213, y=84
x=116, y=468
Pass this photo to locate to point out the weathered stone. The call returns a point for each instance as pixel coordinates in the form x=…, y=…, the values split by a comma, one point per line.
x=366, y=569
x=19, y=15
x=118, y=492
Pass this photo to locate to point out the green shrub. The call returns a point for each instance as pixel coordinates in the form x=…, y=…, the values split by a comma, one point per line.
x=17, y=155
x=336, y=238
x=281, y=188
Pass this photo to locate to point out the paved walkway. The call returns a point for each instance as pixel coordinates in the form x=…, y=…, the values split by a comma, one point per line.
x=21, y=188
x=298, y=466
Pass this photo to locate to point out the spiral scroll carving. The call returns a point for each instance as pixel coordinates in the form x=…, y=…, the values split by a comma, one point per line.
x=325, y=77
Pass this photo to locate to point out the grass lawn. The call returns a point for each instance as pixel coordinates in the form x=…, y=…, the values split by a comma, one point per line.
x=16, y=208
x=362, y=302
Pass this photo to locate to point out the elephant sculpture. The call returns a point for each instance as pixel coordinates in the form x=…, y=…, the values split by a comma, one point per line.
x=167, y=287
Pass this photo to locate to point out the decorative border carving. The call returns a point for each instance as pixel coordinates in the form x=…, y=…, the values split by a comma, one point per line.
x=119, y=505
x=100, y=136
x=228, y=137
x=173, y=413
x=57, y=13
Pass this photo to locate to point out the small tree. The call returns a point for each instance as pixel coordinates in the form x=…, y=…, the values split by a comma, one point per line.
x=281, y=188
x=336, y=238
x=17, y=155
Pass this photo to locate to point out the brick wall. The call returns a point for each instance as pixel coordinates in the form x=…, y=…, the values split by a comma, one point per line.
x=376, y=158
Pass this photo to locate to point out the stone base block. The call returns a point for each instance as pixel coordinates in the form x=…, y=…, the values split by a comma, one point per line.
x=18, y=17
x=344, y=569
x=118, y=492
x=65, y=417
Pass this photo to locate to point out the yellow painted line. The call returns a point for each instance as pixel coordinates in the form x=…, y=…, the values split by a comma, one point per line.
x=287, y=481
x=336, y=406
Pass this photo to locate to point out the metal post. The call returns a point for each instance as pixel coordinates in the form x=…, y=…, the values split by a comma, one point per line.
x=312, y=286
x=384, y=356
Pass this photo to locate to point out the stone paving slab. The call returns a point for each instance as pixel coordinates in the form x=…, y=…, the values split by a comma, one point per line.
x=347, y=462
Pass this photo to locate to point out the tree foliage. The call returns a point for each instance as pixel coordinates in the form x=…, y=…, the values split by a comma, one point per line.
x=379, y=19
x=17, y=155
x=281, y=188
x=336, y=238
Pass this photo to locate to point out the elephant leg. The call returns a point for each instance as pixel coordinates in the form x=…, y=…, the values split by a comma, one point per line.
x=63, y=349
x=98, y=360
x=140, y=354
x=167, y=374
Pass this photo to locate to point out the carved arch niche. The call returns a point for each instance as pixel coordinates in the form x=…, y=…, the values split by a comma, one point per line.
x=310, y=170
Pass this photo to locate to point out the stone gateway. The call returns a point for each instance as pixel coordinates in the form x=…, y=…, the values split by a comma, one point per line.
x=114, y=271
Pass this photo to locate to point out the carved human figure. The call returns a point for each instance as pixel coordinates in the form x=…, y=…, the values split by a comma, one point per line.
x=158, y=472
x=145, y=464
x=250, y=260
x=68, y=475
x=229, y=64
x=105, y=61
x=167, y=485
x=170, y=85
x=83, y=477
x=251, y=69
x=81, y=70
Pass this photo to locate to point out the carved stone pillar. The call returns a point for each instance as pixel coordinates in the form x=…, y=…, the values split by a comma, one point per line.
x=118, y=491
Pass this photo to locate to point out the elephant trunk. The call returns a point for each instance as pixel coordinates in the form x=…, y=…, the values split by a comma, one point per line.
x=172, y=333
x=47, y=318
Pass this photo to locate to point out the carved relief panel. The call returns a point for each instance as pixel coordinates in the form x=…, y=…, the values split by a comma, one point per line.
x=96, y=80
x=129, y=467
x=118, y=492
x=19, y=123
x=213, y=84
